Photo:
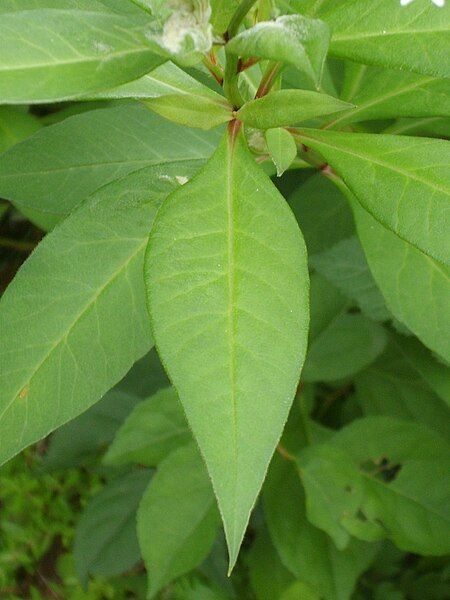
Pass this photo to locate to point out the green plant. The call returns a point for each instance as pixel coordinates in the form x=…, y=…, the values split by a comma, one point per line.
x=165, y=228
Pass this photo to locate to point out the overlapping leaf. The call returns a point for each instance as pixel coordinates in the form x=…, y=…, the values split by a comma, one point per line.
x=74, y=320
x=57, y=168
x=68, y=53
x=379, y=32
x=177, y=518
x=415, y=286
x=373, y=470
x=404, y=183
x=288, y=107
x=154, y=428
x=385, y=94
x=305, y=550
x=106, y=541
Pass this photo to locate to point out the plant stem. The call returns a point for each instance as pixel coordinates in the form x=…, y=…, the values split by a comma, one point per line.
x=238, y=17
x=268, y=79
x=231, y=76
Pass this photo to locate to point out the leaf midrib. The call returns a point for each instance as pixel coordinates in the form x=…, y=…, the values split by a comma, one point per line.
x=231, y=313
x=68, y=330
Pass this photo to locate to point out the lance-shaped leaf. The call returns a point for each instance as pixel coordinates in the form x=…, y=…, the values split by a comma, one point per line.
x=385, y=94
x=177, y=518
x=282, y=148
x=416, y=287
x=48, y=55
x=288, y=107
x=74, y=319
x=175, y=95
x=379, y=32
x=392, y=386
x=105, y=540
x=154, y=428
x=345, y=265
x=292, y=39
x=227, y=286
x=404, y=183
x=53, y=171
x=434, y=372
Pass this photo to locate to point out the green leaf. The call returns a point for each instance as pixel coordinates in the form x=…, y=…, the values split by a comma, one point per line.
x=74, y=319
x=222, y=11
x=349, y=344
x=300, y=590
x=15, y=125
x=221, y=250
x=288, y=107
x=376, y=469
x=269, y=578
x=8, y=6
x=292, y=39
x=341, y=343
x=154, y=428
x=305, y=550
x=282, y=148
x=84, y=437
x=385, y=94
x=177, y=518
x=322, y=213
x=435, y=373
x=57, y=168
x=165, y=80
x=429, y=127
x=415, y=287
x=345, y=266
x=379, y=32
x=327, y=303
x=55, y=62
x=404, y=183
x=175, y=95
x=391, y=386
x=105, y=540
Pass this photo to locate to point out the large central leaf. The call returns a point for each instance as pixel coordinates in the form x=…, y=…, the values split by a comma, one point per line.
x=227, y=281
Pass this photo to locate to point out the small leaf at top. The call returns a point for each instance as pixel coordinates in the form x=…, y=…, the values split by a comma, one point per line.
x=292, y=39
x=282, y=108
x=227, y=286
x=282, y=148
